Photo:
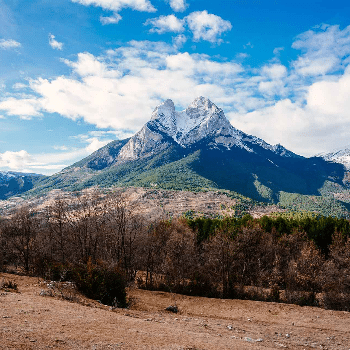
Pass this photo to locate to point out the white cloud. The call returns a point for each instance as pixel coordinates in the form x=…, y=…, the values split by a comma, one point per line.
x=116, y=134
x=178, y=5
x=278, y=50
x=248, y=45
x=324, y=49
x=54, y=43
x=205, y=26
x=60, y=148
x=48, y=163
x=19, y=86
x=95, y=144
x=15, y=160
x=25, y=107
x=271, y=88
x=117, y=5
x=165, y=24
x=320, y=123
x=88, y=65
x=9, y=44
x=179, y=41
x=275, y=71
x=331, y=98
x=272, y=82
x=123, y=93
x=119, y=90
x=116, y=18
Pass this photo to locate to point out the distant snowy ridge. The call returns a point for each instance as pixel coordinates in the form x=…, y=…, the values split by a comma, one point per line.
x=201, y=120
x=8, y=175
x=341, y=156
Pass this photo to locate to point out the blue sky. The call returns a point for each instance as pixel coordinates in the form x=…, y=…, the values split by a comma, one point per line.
x=76, y=74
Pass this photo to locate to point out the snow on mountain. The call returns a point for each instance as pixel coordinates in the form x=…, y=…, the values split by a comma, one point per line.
x=202, y=120
x=5, y=176
x=341, y=156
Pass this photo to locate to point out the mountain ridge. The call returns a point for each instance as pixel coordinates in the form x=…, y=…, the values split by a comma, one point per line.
x=198, y=149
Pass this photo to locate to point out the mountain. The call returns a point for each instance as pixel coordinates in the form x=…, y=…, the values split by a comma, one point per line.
x=13, y=183
x=202, y=122
x=198, y=149
x=341, y=156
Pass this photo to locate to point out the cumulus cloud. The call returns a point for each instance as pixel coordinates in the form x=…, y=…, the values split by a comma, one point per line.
x=324, y=49
x=116, y=18
x=119, y=90
x=318, y=123
x=95, y=144
x=206, y=26
x=275, y=71
x=23, y=107
x=48, y=163
x=165, y=24
x=9, y=44
x=88, y=65
x=178, y=5
x=179, y=41
x=331, y=98
x=123, y=92
x=54, y=43
x=117, y=5
x=272, y=82
x=15, y=160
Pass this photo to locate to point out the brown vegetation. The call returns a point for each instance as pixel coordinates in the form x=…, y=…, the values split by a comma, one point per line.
x=95, y=238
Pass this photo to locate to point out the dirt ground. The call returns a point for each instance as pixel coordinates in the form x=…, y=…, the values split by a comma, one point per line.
x=31, y=321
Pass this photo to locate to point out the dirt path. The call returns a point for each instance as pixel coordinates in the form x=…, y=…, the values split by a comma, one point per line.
x=31, y=321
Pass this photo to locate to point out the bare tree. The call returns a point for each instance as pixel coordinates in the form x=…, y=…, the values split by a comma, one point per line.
x=335, y=274
x=220, y=252
x=180, y=260
x=21, y=232
x=56, y=229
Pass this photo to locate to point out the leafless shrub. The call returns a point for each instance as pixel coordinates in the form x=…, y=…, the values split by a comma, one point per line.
x=63, y=290
x=8, y=285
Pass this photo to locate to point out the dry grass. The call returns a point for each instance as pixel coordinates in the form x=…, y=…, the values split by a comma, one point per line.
x=30, y=321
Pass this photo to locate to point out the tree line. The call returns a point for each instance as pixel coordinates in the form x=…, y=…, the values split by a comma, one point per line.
x=96, y=240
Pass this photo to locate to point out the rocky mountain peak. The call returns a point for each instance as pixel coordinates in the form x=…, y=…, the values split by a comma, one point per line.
x=202, y=121
x=201, y=115
x=165, y=109
x=202, y=104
